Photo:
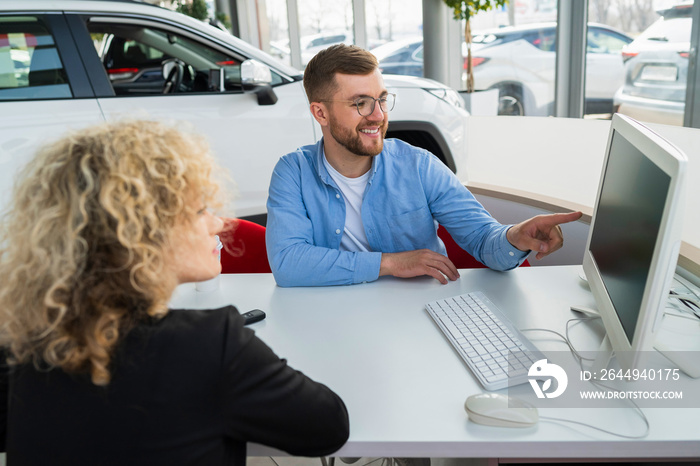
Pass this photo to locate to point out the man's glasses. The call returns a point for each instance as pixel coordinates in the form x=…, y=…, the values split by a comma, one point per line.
x=365, y=105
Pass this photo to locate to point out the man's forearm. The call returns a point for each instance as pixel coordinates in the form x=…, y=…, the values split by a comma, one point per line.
x=307, y=265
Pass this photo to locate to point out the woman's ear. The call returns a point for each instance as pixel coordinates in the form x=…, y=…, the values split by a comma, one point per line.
x=320, y=113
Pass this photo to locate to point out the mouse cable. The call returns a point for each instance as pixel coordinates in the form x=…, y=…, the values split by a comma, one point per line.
x=689, y=305
x=689, y=300
x=636, y=408
x=682, y=310
x=580, y=358
x=565, y=337
x=571, y=421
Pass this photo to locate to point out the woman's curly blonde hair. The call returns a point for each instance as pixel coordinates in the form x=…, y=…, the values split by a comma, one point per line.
x=83, y=248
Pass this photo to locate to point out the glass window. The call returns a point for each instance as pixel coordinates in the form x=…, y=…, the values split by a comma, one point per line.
x=514, y=51
x=605, y=41
x=143, y=60
x=544, y=39
x=30, y=65
x=394, y=35
x=275, y=31
x=323, y=24
x=604, y=69
x=646, y=77
x=391, y=20
x=418, y=54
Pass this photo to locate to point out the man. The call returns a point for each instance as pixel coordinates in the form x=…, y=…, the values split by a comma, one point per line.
x=354, y=206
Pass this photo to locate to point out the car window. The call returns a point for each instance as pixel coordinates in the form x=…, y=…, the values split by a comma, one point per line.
x=602, y=41
x=328, y=40
x=418, y=54
x=670, y=30
x=543, y=39
x=134, y=58
x=483, y=38
x=30, y=65
x=401, y=55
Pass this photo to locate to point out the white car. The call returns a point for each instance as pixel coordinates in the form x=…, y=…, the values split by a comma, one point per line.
x=311, y=45
x=520, y=62
x=656, y=69
x=99, y=60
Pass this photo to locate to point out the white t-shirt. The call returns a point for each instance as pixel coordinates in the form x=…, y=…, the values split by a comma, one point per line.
x=353, y=190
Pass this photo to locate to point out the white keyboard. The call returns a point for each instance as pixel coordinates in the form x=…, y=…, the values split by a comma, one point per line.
x=496, y=352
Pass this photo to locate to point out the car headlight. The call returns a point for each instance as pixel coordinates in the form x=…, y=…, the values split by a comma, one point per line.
x=449, y=95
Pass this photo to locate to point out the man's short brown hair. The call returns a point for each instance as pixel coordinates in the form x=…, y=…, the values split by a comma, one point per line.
x=319, y=76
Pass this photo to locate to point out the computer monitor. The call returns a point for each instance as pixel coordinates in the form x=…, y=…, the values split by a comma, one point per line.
x=634, y=238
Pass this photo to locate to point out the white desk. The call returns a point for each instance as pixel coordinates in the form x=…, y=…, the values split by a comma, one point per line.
x=404, y=385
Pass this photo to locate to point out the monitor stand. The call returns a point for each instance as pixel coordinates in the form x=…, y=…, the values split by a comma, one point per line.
x=587, y=311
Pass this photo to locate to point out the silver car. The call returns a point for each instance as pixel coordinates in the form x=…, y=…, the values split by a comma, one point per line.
x=520, y=62
x=656, y=69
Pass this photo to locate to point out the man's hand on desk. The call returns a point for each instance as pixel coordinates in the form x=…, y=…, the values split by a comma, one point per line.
x=541, y=233
x=416, y=263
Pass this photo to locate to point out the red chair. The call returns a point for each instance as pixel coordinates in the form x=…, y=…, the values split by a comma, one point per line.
x=459, y=257
x=244, y=248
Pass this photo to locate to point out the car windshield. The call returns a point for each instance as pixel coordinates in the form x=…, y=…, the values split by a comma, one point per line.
x=396, y=48
x=402, y=54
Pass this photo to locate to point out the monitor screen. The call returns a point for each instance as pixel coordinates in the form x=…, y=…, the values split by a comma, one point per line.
x=628, y=219
x=634, y=238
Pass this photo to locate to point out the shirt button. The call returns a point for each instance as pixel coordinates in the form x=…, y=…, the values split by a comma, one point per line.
x=337, y=232
x=511, y=254
x=337, y=196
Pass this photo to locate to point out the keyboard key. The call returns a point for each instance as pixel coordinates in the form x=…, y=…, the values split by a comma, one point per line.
x=496, y=352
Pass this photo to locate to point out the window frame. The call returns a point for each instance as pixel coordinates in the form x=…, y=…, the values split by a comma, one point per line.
x=98, y=74
x=77, y=79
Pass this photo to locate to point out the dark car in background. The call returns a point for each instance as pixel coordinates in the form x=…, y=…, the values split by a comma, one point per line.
x=656, y=69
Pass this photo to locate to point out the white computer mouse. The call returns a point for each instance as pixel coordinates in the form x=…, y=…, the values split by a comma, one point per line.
x=494, y=409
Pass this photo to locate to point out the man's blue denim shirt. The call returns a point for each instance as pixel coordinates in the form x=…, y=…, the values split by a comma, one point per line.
x=410, y=192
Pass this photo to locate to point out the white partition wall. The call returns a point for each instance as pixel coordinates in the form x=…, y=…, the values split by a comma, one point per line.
x=558, y=161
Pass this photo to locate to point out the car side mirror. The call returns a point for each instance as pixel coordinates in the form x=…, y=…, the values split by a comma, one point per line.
x=256, y=77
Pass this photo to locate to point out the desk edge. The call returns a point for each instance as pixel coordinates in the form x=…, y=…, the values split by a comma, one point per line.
x=689, y=257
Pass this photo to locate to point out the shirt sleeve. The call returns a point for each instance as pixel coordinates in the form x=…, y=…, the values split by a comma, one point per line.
x=268, y=402
x=467, y=221
x=294, y=256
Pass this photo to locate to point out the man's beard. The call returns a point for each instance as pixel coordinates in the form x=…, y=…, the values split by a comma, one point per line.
x=353, y=142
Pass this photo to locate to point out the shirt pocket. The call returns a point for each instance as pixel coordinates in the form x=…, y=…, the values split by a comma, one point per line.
x=414, y=229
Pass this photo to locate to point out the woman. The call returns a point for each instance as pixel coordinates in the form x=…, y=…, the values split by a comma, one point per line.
x=105, y=224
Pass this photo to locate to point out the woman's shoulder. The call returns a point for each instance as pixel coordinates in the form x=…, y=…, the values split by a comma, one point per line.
x=198, y=318
x=192, y=331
